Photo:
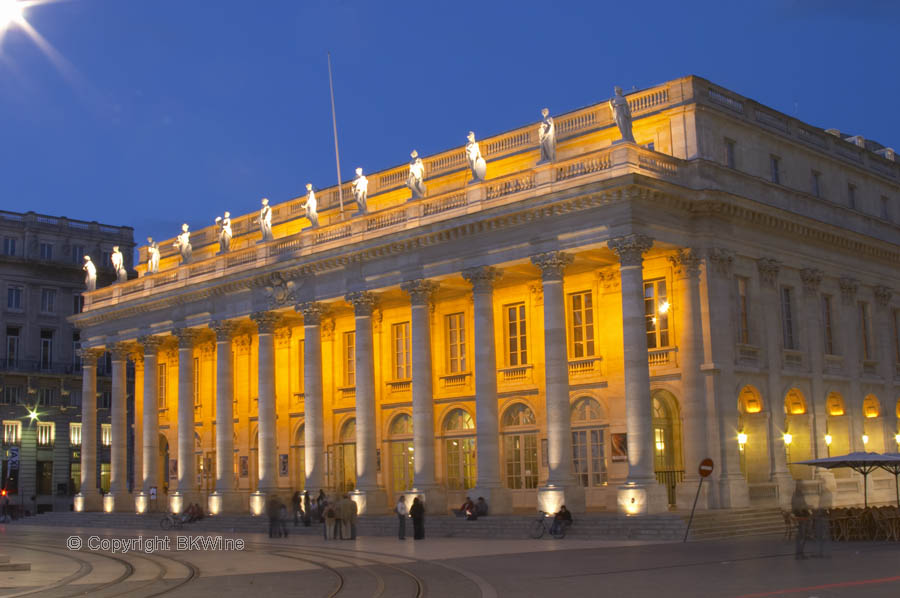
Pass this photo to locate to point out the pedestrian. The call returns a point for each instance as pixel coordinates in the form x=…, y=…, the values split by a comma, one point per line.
x=282, y=519
x=402, y=513
x=799, y=509
x=6, y=518
x=295, y=506
x=272, y=512
x=339, y=518
x=346, y=513
x=307, y=513
x=354, y=512
x=330, y=519
x=417, y=512
x=320, y=503
x=821, y=532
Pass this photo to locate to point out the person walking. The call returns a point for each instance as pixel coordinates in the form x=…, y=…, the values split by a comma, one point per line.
x=330, y=520
x=417, y=512
x=346, y=510
x=307, y=513
x=402, y=513
x=354, y=512
x=321, y=500
x=295, y=507
x=338, y=518
x=272, y=512
x=282, y=519
x=799, y=509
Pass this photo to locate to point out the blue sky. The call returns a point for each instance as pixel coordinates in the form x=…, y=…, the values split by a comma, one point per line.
x=165, y=111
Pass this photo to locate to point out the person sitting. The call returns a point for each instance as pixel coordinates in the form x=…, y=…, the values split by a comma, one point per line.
x=467, y=507
x=199, y=511
x=481, y=507
x=561, y=521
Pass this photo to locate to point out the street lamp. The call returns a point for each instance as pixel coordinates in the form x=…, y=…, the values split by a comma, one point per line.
x=897, y=438
x=742, y=440
x=865, y=439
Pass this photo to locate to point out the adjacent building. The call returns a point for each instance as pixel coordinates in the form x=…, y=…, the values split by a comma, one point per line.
x=583, y=330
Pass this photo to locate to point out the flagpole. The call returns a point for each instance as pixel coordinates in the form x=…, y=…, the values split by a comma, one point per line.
x=337, y=155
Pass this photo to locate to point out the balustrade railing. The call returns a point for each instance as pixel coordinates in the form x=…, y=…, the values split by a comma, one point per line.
x=662, y=357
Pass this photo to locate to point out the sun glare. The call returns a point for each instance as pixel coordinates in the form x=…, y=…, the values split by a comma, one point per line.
x=11, y=11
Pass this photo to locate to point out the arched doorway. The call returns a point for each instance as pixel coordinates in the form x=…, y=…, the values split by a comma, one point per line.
x=520, y=448
x=459, y=450
x=589, y=435
x=797, y=430
x=666, y=432
x=873, y=429
x=345, y=457
x=298, y=456
x=162, y=464
x=753, y=436
x=400, y=438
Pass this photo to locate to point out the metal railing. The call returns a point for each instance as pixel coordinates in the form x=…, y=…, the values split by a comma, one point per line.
x=670, y=478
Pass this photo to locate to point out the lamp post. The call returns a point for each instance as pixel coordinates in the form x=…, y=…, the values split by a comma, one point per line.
x=742, y=441
x=788, y=439
x=828, y=439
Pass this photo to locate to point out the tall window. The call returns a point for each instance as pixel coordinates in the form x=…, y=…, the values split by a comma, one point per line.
x=656, y=313
x=77, y=303
x=104, y=400
x=48, y=301
x=301, y=350
x=865, y=332
x=12, y=432
x=75, y=434
x=886, y=208
x=459, y=446
x=161, y=385
x=402, y=456
x=588, y=443
x=350, y=358
x=851, y=196
x=775, y=167
x=897, y=335
x=77, y=254
x=516, y=347
x=787, y=319
x=106, y=434
x=345, y=457
x=12, y=346
x=46, y=349
x=827, y=325
x=729, y=153
x=11, y=395
x=9, y=246
x=196, y=381
x=14, y=297
x=45, y=433
x=401, y=351
x=581, y=316
x=520, y=452
x=743, y=315
x=47, y=396
x=815, y=179
x=456, y=343
x=46, y=251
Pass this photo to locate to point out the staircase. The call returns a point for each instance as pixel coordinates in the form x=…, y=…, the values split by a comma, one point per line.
x=717, y=525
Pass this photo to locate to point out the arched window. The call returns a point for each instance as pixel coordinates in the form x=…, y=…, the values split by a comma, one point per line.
x=750, y=400
x=520, y=442
x=459, y=449
x=401, y=425
x=666, y=432
x=871, y=407
x=794, y=402
x=834, y=404
x=348, y=431
x=459, y=420
x=345, y=457
x=589, y=442
x=402, y=455
x=298, y=454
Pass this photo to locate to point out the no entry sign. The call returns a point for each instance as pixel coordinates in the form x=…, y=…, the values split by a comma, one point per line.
x=706, y=467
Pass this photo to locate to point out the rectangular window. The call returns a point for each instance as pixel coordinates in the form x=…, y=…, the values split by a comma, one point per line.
x=75, y=434
x=350, y=358
x=581, y=317
x=161, y=385
x=104, y=400
x=47, y=396
x=827, y=325
x=48, y=301
x=897, y=335
x=851, y=196
x=196, y=381
x=14, y=297
x=787, y=319
x=743, y=315
x=865, y=332
x=77, y=254
x=815, y=179
x=516, y=342
x=76, y=348
x=12, y=346
x=589, y=457
x=77, y=303
x=106, y=434
x=9, y=246
x=74, y=398
x=656, y=313
x=456, y=343
x=45, y=433
x=105, y=256
x=12, y=395
x=400, y=342
x=44, y=477
x=775, y=166
x=74, y=478
x=46, y=251
x=12, y=432
x=46, y=349
x=886, y=208
x=729, y=153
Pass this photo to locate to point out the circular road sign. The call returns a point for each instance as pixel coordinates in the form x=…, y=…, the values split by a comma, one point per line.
x=706, y=467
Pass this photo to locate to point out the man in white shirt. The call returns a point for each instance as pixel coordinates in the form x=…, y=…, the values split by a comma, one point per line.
x=402, y=513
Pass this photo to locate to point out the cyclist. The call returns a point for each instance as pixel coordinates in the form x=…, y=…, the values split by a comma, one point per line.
x=561, y=520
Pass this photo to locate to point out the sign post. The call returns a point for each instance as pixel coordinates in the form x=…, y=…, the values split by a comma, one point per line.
x=706, y=468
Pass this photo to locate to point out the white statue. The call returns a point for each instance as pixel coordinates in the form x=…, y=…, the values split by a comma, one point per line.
x=224, y=225
x=90, y=276
x=183, y=244
x=622, y=114
x=152, y=256
x=547, y=137
x=311, y=206
x=360, y=191
x=265, y=221
x=476, y=162
x=118, y=264
x=415, y=180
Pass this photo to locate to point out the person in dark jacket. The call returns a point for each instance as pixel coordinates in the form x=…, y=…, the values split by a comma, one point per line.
x=417, y=512
x=295, y=507
x=307, y=512
x=320, y=504
x=273, y=511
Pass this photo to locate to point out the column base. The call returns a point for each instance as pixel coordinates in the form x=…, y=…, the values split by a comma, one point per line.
x=785, y=484
x=827, y=488
x=370, y=502
x=499, y=499
x=434, y=497
x=118, y=502
x=551, y=497
x=733, y=493
x=179, y=501
x=642, y=498
x=90, y=502
x=225, y=502
x=686, y=491
x=260, y=498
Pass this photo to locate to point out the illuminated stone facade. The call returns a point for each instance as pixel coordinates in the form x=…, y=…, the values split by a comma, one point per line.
x=584, y=330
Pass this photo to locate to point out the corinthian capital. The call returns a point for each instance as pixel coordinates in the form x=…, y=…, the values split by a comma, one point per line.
x=363, y=302
x=482, y=278
x=811, y=278
x=150, y=343
x=312, y=312
x=686, y=262
x=849, y=287
x=631, y=248
x=266, y=321
x=420, y=290
x=883, y=295
x=119, y=351
x=768, y=271
x=89, y=356
x=224, y=329
x=552, y=264
x=720, y=260
x=186, y=337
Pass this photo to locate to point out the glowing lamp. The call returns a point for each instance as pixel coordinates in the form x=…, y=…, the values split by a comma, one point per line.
x=865, y=439
x=788, y=438
x=215, y=504
x=140, y=503
x=828, y=439
x=79, y=503
x=742, y=438
x=257, y=503
x=32, y=414
x=664, y=307
x=109, y=503
x=897, y=438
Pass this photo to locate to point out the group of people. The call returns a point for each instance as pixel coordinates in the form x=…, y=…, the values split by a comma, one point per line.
x=416, y=512
x=339, y=517
x=472, y=510
x=193, y=512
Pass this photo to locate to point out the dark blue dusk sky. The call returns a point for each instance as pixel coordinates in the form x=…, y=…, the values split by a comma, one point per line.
x=176, y=110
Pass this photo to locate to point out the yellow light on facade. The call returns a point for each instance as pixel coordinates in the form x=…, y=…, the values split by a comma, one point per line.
x=79, y=503
x=742, y=439
x=865, y=439
x=828, y=439
x=788, y=438
x=664, y=307
x=897, y=438
x=140, y=503
x=257, y=504
x=215, y=504
x=109, y=503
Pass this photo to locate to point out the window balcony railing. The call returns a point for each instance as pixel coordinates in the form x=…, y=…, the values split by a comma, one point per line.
x=665, y=357
x=516, y=375
x=834, y=364
x=748, y=355
x=347, y=392
x=39, y=366
x=792, y=360
x=870, y=367
x=455, y=381
x=396, y=386
x=585, y=367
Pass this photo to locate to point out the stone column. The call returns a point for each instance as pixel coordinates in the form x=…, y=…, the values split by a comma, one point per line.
x=561, y=488
x=886, y=365
x=695, y=434
x=641, y=494
x=420, y=292
x=88, y=497
x=150, y=428
x=487, y=429
x=186, y=491
x=225, y=499
x=313, y=427
x=850, y=334
x=268, y=483
x=118, y=498
x=369, y=496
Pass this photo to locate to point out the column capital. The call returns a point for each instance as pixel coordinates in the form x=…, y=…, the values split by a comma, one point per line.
x=552, y=264
x=686, y=263
x=150, y=343
x=482, y=278
x=266, y=321
x=721, y=260
x=811, y=278
x=136, y=355
x=119, y=351
x=186, y=337
x=363, y=302
x=883, y=295
x=768, y=271
x=224, y=329
x=631, y=248
x=420, y=290
x=849, y=287
x=312, y=311
x=89, y=356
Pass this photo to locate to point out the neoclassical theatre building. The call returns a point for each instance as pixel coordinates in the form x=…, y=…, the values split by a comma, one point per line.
x=580, y=329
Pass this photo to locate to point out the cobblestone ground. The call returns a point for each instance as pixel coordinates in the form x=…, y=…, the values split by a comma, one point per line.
x=109, y=562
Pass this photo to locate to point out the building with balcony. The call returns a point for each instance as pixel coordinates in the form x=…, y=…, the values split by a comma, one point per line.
x=583, y=330
x=42, y=282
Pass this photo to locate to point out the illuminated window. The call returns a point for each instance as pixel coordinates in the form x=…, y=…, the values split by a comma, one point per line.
x=656, y=313
x=589, y=443
x=743, y=315
x=864, y=330
x=196, y=381
x=12, y=432
x=459, y=448
x=516, y=342
x=401, y=353
x=827, y=324
x=402, y=455
x=75, y=434
x=161, y=388
x=350, y=358
x=787, y=319
x=794, y=402
x=581, y=333
x=871, y=407
x=45, y=433
x=106, y=434
x=520, y=447
x=456, y=343
x=834, y=404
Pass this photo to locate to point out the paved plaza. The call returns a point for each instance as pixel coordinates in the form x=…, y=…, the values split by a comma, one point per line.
x=254, y=565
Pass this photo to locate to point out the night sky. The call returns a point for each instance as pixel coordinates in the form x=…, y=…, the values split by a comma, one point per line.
x=151, y=113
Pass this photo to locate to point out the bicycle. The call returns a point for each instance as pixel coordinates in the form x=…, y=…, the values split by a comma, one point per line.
x=545, y=524
x=171, y=520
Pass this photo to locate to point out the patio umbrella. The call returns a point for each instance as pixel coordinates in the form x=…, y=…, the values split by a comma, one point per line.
x=894, y=468
x=861, y=462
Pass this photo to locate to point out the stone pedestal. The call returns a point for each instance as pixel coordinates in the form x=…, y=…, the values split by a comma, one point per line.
x=119, y=502
x=499, y=499
x=733, y=492
x=88, y=503
x=552, y=497
x=642, y=499
x=434, y=497
x=371, y=502
x=222, y=503
x=178, y=501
